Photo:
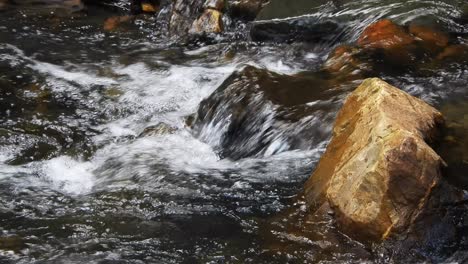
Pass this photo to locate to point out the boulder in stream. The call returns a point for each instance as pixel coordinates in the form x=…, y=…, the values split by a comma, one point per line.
x=246, y=9
x=291, y=112
x=379, y=173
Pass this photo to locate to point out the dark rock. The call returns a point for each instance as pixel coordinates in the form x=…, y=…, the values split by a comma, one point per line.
x=280, y=9
x=246, y=9
x=308, y=29
x=289, y=113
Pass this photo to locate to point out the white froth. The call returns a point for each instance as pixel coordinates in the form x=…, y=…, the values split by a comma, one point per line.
x=69, y=175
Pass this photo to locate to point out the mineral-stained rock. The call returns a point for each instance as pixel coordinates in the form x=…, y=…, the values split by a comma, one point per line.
x=384, y=34
x=378, y=172
x=209, y=22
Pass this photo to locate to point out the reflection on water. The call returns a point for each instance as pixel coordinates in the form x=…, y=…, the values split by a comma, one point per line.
x=80, y=182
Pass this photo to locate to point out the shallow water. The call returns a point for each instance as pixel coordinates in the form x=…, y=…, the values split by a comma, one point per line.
x=80, y=183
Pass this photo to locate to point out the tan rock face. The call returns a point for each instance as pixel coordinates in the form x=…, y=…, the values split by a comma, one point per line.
x=209, y=22
x=378, y=171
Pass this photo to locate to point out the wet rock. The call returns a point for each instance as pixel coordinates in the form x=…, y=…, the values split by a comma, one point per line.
x=114, y=23
x=344, y=60
x=384, y=34
x=379, y=174
x=454, y=146
x=246, y=9
x=209, y=22
x=184, y=13
x=308, y=29
x=158, y=130
x=289, y=113
x=459, y=51
x=429, y=35
x=280, y=9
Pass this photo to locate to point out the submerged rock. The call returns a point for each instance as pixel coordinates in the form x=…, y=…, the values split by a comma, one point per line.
x=113, y=23
x=308, y=29
x=184, y=13
x=290, y=112
x=158, y=130
x=246, y=9
x=379, y=174
x=429, y=35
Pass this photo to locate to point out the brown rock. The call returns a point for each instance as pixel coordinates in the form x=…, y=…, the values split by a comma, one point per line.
x=429, y=35
x=378, y=172
x=209, y=22
x=247, y=9
x=149, y=8
x=384, y=34
x=344, y=60
x=453, y=51
x=112, y=23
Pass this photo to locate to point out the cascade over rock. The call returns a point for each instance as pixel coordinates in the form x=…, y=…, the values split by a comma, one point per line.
x=289, y=112
x=378, y=173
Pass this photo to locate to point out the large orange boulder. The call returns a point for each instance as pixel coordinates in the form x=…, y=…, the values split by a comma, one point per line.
x=384, y=34
x=378, y=172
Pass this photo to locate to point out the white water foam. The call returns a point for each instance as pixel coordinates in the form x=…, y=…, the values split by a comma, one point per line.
x=69, y=175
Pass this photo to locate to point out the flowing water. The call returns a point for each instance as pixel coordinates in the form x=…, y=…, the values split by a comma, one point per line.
x=86, y=177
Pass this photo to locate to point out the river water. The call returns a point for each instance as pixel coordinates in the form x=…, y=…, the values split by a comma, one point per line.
x=81, y=183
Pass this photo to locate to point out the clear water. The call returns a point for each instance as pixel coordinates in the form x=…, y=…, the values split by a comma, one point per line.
x=80, y=184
